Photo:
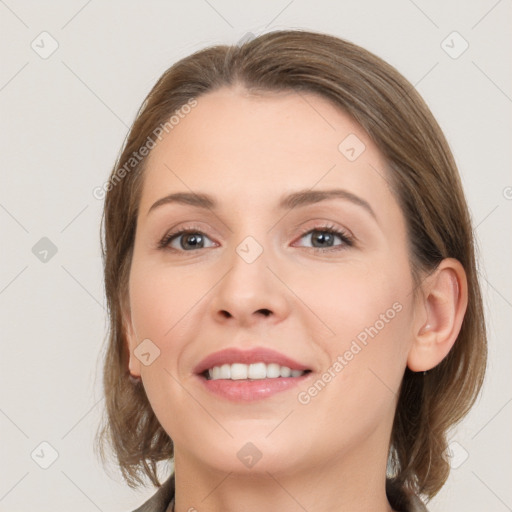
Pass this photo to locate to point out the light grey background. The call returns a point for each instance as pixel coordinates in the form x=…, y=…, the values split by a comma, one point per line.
x=64, y=119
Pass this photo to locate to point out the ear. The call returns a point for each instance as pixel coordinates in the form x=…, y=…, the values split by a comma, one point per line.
x=439, y=313
x=131, y=340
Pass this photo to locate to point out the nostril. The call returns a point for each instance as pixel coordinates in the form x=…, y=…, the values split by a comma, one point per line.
x=227, y=314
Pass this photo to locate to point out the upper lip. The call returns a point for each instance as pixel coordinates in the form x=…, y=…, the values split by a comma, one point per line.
x=254, y=355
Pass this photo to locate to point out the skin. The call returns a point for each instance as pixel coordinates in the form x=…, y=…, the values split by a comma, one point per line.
x=248, y=151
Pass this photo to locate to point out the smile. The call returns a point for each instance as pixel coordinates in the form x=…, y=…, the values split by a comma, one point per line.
x=254, y=371
x=248, y=375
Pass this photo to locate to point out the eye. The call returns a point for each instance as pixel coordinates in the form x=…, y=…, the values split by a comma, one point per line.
x=323, y=238
x=185, y=240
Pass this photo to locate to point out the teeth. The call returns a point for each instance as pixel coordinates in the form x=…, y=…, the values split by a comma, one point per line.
x=238, y=372
x=273, y=371
x=225, y=370
x=257, y=371
x=285, y=371
x=254, y=371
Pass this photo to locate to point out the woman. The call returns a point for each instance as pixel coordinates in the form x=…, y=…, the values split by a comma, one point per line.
x=296, y=318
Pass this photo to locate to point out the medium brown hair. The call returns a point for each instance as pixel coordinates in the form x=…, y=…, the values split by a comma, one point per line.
x=425, y=181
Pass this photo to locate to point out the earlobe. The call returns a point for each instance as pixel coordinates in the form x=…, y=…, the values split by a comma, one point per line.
x=441, y=313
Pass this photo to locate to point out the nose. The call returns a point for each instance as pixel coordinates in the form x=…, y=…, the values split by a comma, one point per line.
x=250, y=293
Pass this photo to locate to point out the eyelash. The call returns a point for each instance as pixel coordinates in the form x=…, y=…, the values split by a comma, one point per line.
x=347, y=239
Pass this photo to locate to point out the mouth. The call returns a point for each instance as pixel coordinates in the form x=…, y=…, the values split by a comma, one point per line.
x=249, y=375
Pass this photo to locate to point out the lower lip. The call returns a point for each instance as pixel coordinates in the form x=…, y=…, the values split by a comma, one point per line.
x=250, y=390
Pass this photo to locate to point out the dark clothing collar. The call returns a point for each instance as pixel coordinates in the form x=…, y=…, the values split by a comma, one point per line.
x=161, y=500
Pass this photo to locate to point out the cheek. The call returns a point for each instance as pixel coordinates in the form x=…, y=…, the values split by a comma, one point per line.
x=369, y=312
x=161, y=299
x=351, y=297
x=163, y=302
x=366, y=357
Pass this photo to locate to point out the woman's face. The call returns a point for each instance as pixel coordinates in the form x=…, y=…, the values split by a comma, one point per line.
x=279, y=269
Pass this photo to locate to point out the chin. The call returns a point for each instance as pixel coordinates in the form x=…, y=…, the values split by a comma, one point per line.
x=250, y=455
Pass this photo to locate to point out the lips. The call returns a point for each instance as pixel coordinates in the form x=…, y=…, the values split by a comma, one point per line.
x=256, y=355
x=252, y=374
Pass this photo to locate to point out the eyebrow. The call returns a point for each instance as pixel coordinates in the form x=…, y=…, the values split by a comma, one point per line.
x=293, y=200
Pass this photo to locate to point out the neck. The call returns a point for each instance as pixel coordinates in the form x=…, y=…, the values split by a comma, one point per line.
x=347, y=481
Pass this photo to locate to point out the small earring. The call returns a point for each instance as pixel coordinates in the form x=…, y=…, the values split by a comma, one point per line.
x=133, y=379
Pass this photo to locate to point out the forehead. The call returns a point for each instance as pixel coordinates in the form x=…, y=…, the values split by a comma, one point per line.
x=253, y=148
